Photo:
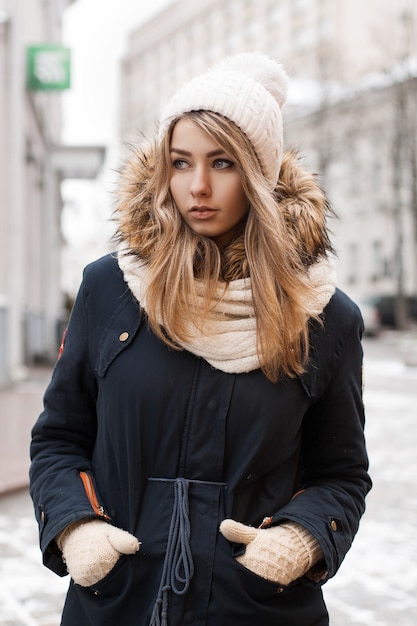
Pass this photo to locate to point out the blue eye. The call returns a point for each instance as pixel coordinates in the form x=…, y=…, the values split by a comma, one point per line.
x=222, y=164
x=179, y=164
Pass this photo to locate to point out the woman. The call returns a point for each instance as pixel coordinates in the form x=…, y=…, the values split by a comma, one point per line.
x=207, y=400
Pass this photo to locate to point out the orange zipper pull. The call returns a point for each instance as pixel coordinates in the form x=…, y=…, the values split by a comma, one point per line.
x=92, y=496
x=266, y=522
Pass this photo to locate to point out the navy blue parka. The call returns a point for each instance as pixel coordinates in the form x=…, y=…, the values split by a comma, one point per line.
x=133, y=431
x=135, y=415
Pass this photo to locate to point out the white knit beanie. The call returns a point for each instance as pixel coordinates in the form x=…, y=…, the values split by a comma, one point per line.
x=249, y=89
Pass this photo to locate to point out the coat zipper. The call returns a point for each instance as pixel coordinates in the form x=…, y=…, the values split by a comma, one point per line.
x=92, y=496
x=266, y=522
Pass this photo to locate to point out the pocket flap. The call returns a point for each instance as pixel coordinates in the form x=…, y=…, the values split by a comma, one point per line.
x=118, y=334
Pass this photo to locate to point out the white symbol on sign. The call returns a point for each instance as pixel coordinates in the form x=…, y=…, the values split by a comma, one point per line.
x=50, y=66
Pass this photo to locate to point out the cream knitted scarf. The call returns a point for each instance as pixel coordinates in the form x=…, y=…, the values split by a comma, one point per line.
x=228, y=342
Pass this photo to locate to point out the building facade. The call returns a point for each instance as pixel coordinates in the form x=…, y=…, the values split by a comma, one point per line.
x=347, y=61
x=32, y=165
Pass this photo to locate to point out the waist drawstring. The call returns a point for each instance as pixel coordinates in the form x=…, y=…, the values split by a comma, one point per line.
x=178, y=566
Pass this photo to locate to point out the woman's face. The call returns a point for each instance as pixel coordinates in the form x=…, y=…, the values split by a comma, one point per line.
x=205, y=184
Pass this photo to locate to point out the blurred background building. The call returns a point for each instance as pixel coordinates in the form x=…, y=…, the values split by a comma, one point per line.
x=34, y=70
x=352, y=113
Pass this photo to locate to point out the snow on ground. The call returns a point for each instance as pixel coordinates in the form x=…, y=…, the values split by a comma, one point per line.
x=376, y=584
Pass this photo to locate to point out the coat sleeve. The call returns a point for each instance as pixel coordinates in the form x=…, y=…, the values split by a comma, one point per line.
x=64, y=435
x=334, y=462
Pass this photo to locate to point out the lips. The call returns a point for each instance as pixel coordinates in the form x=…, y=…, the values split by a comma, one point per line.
x=201, y=208
x=202, y=212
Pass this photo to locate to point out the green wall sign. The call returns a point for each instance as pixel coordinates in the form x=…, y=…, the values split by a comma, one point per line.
x=48, y=68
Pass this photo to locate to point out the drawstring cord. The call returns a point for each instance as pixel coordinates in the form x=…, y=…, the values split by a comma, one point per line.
x=178, y=566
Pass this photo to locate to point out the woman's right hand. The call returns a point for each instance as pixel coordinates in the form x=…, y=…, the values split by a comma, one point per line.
x=91, y=548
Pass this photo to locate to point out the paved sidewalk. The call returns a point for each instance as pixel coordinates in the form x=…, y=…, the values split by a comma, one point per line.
x=20, y=405
x=30, y=594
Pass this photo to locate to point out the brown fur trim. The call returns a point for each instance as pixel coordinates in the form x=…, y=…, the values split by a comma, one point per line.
x=299, y=196
x=305, y=208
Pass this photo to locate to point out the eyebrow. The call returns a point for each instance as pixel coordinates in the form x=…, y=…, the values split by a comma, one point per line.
x=209, y=154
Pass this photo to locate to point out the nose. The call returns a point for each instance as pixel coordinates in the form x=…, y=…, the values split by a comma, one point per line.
x=200, y=183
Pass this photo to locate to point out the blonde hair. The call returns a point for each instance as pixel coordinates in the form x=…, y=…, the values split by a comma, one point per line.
x=264, y=251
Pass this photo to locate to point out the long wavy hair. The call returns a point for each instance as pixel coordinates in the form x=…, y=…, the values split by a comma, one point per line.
x=267, y=250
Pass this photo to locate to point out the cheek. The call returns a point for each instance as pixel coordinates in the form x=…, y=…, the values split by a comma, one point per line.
x=175, y=189
x=172, y=186
x=241, y=201
x=178, y=195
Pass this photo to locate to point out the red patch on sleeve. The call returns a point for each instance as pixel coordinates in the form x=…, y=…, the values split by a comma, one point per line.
x=61, y=347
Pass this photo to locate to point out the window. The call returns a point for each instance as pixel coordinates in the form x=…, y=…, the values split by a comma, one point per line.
x=377, y=261
x=352, y=263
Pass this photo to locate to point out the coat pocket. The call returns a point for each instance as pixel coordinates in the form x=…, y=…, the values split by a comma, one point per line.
x=254, y=586
x=118, y=335
x=238, y=591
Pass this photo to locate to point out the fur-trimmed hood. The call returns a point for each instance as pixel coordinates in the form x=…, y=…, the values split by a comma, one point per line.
x=300, y=198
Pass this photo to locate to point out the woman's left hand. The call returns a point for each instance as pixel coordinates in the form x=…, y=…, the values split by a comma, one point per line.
x=280, y=554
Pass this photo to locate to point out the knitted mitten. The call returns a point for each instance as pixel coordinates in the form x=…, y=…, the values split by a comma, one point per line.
x=91, y=548
x=279, y=554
